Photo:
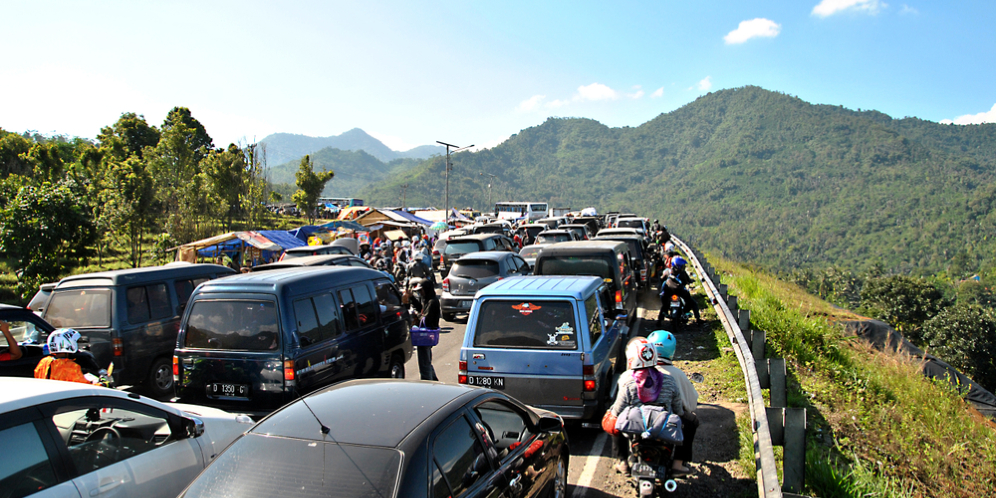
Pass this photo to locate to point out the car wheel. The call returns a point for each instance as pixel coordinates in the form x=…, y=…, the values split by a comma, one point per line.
x=449, y=317
x=397, y=368
x=161, y=378
x=558, y=488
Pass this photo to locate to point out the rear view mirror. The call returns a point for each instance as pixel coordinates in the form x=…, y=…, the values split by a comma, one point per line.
x=194, y=427
x=549, y=424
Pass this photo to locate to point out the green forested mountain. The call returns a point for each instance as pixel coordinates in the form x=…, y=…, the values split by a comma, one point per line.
x=354, y=170
x=284, y=147
x=761, y=176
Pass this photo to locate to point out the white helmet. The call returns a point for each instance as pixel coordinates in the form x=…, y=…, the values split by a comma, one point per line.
x=669, y=246
x=63, y=341
x=640, y=354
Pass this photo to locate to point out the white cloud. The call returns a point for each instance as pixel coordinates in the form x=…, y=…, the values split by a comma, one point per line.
x=705, y=84
x=908, y=10
x=830, y=7
x=982, y=117
x=530, y=104
x=657, y=93
x=553, y=104
x=596, y=91
x=754, y=28
x=395, y=143
x=638, y=93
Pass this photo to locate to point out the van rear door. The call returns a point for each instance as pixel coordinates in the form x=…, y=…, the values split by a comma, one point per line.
x=529, y=348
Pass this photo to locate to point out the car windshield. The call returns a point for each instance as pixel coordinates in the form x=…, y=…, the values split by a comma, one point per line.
x=78, y=308
x=462, y=247
x=526, y=324
x=475, y=269
x=261, y=466
x=239, y=325
x=576, y=265
x=552, y=238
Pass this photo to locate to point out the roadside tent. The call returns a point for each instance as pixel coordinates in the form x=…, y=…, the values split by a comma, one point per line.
x=282, y=238
x=411, y=217
x=337, y=224
x=353, y=212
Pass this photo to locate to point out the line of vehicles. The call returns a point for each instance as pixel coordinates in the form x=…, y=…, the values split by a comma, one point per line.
x=288, y=346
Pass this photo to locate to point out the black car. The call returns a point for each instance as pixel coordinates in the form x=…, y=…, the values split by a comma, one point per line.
x=388, y=438
x=31, y=332
x=472, y=273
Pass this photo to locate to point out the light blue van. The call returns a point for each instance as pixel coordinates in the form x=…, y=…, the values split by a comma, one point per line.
x=545, y=341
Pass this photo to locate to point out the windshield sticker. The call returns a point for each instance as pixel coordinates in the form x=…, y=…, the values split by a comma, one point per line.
x=565, y=329
x=526, y=308
x=562, y=340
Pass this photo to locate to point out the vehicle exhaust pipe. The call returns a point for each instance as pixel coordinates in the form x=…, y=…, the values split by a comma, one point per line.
x=670, y=485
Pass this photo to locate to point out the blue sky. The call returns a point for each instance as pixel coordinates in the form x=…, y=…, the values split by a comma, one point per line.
x=411, y=73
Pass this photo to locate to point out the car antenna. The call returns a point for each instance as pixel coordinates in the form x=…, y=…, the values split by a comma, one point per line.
x=325, y=428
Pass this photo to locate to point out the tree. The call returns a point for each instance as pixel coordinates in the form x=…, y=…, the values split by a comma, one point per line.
x=130, y=207
x=310, y=186
x=905, y=302
x=253, y=196
x=47, y=229
x=129, y=136
x=965, y=336
x=12, y=147
x=227, y=173
x=175, y=166
x=196, y=136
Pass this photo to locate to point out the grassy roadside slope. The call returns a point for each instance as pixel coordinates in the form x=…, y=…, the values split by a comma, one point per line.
x=876, y=426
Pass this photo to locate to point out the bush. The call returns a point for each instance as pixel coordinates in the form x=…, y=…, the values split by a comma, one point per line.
x=965, y=336
x=904, y=302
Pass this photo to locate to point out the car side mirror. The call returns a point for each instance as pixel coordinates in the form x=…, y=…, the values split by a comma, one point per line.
x=194, y=426
x=550, y=424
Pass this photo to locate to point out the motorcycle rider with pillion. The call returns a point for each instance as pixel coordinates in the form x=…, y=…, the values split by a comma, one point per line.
x=675, y=281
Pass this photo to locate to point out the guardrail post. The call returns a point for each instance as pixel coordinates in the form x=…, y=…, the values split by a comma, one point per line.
x=763, y=379
x=743, y=318
x=731, y=302
x=794, y=458
x=722, y=291
x=776, y=425
x=776, y=371
x=757, y=338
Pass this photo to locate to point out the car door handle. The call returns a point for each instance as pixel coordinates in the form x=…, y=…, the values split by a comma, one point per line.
x=106, y=487
x=516, y=483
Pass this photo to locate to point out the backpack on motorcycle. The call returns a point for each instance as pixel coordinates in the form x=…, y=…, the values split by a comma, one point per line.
x=651, y=422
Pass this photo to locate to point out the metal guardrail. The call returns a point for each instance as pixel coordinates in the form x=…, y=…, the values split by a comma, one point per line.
x=764, y=455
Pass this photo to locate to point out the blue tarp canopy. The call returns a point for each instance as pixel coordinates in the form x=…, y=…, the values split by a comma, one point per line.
x=302, y=233
x=349, y=225
x=283, y=238
x=411, y=217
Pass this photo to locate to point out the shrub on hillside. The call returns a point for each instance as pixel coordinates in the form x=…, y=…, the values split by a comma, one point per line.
x=965, y=336
x=904, y=302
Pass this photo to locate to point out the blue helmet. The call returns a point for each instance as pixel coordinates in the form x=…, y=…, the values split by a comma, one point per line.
x=664, y=343
x=678, y=262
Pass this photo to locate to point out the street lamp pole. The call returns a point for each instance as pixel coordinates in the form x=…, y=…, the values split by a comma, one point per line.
x=404, y=192
x=489, y=186
x=448, y=168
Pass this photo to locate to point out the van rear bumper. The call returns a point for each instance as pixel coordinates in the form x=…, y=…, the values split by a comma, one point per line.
x=583, y=412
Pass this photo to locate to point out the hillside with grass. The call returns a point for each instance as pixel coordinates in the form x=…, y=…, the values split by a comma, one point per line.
x=758, y=175
x=875, y=425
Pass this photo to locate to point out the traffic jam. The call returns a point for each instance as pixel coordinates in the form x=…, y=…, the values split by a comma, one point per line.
x=473, y=359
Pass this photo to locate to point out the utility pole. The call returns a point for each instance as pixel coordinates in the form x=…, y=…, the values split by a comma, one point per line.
x=489, y=186
x=448, y=168
x=404, y=192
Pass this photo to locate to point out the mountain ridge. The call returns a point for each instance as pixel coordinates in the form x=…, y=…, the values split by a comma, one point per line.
x=284, y=147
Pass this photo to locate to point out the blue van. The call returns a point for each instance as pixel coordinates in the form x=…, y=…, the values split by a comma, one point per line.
x=546, y=341
x=256, y=341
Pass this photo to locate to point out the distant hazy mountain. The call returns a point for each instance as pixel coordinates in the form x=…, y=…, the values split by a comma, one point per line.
x=284, y=147
x=354, y=170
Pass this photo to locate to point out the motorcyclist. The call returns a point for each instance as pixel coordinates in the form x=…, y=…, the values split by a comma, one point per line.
x=655, y=227
x=675, y=282
x=665, y=344
x=663, y=236
x=642, y=384
x=64, y=363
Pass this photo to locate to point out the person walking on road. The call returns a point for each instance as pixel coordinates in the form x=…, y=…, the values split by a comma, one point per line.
x=430, y=314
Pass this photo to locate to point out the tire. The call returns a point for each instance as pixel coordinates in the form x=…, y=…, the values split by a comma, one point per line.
x=160, y=382
x=396, y=370
x=449, y=317
x=558, y=487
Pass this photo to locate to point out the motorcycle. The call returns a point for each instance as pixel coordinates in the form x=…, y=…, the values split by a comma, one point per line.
x=676, y=312
x=651, y=462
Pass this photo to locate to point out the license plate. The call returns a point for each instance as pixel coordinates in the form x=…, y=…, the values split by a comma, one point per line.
x=230, y=390
x=491, y=382
x=464, y=304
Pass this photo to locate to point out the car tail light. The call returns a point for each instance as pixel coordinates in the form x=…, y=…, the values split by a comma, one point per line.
x=117, y=346
x=674, y=297
x=288, y=372
x=435, y=252
x=589, y=385
x=619, y=304
x=643, y=274
x=176, y=368
x=446, y=285
x=462, y=366
x=588, y=370
x=461, y=379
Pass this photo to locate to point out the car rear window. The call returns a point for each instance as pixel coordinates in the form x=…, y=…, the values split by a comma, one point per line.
x=475, y=269
x=244, y=325
x=462, y=247
x=576, y=265
x=261, y=466
x=530, y=251
x=551, y=238
x=79, y=308
x=630, y=224
x=530, y=324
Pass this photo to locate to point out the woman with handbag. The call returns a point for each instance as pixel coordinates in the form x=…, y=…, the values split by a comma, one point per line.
x=428, y=318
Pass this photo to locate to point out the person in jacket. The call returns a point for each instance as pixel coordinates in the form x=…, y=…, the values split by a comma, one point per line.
x=430, y=317
x=674, y=282
x=13, y=350
x=642, y=384
x=63, y=344
x=665, y=344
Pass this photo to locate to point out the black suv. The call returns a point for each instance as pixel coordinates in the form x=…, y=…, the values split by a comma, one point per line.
x=607, y=259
